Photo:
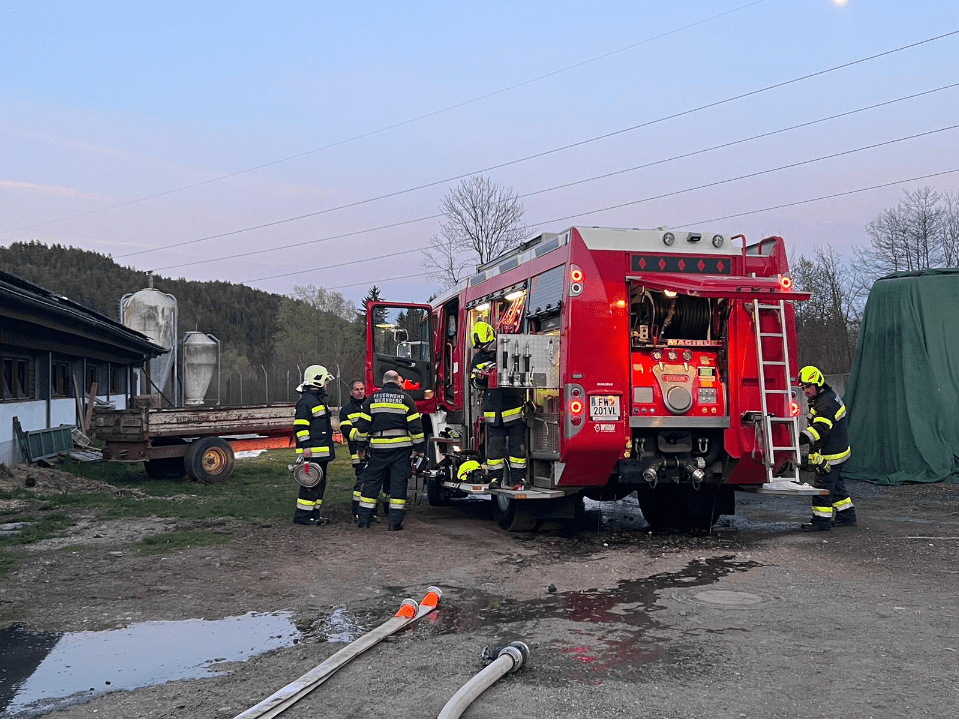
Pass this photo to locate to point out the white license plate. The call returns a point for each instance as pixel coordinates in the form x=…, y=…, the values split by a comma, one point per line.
x=604, y=407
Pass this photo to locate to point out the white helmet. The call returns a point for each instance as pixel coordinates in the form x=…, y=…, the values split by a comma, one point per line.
x=316, y=376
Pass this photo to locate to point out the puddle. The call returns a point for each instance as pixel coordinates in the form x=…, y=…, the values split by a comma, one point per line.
x=340, y=628
x=616, y=626
x=40, y=673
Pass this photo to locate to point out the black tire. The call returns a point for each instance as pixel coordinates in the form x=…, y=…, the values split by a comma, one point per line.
x=165, y=468
x=665, y=507
x=514, y=515
x=672, y=507
x=209, y=461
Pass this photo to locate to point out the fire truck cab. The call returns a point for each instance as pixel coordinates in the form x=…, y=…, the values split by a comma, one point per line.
x=654, y=362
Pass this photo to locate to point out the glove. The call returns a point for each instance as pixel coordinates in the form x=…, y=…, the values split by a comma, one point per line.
x=819, y=463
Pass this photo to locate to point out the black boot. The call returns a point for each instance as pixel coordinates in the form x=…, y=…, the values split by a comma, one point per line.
x=817, y=524
x=846, y=518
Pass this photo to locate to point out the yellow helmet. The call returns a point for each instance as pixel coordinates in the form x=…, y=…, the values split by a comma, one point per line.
x=467, y=469
x=810, y=375
x=317, y=376
x=483, y=334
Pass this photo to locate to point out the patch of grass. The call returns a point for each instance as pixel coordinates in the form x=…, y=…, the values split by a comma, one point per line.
x=261, y=490
x=179, y=540
x=7, y=565
x=40, y=529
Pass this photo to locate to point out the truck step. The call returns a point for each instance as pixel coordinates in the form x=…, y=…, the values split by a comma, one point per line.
x=784, y=486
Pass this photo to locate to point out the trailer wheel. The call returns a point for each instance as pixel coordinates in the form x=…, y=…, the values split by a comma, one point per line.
x=209, y=460
x=165, y=468
x=514, y=515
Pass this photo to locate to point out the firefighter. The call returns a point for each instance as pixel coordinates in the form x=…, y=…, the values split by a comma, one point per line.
x=314, y=440
x=828, y=439
x=348, y=415
x=391, y=425
x=502, y=411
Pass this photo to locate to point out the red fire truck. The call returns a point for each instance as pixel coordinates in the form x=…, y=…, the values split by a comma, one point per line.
x=654, y=362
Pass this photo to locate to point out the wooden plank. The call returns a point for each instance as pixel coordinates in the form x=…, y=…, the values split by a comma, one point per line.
x=21, y=439
x=91, y=400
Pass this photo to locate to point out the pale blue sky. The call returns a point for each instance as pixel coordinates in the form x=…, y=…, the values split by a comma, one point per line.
x=103, y=104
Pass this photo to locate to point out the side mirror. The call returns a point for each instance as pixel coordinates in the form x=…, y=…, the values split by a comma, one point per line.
x=400, y=335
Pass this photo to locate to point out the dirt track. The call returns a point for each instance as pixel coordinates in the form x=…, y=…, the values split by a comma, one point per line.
x=754, y=620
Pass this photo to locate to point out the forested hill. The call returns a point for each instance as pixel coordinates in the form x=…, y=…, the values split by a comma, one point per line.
x=240, y=317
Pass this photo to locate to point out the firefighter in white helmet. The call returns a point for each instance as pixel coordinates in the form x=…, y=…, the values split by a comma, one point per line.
x=828, y=439
x=502, y=411
x=313, y=429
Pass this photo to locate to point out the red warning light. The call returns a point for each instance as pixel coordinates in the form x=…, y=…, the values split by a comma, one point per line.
x=785, y=282
x=575, y=274
x=794, y=408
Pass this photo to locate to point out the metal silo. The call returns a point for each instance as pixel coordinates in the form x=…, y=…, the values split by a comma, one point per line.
x=201, y=358
x=154, y=314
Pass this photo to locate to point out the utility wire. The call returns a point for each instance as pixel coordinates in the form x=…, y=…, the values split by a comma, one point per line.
x=546, y=153
x=570, y=184
x=699, y=222
x=402, y=123
x=654, y=197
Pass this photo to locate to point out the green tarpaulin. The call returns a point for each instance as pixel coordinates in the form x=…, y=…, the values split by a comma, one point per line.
x=903, y=392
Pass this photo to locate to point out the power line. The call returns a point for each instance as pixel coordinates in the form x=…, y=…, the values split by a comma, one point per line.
x=726, y=217
x=390, y=127
x=657, y=197
x=571, y=184
x=545, y=153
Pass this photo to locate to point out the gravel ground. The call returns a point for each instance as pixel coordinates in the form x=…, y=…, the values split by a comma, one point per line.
x=754, y=619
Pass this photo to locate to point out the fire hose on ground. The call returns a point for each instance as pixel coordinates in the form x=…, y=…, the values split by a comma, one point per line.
x=286, y=696
x=507, y=659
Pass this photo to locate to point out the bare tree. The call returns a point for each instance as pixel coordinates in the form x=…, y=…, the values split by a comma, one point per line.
x=907, y=237
x=827, y=324
x=950, y=229
x=482, y=220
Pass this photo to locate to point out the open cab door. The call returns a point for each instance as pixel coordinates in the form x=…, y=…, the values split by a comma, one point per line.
x=399, y=337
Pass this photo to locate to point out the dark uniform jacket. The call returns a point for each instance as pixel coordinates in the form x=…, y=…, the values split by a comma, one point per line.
x=390, y=420
x=499, y=404
x=348, y=415
x=828, y=431
x=312, y=424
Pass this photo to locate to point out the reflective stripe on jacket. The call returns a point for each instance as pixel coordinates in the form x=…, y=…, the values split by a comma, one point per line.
x=828, y=430
x=348, y=415
x=312, y=425
x=503, y=405
x=389, y=419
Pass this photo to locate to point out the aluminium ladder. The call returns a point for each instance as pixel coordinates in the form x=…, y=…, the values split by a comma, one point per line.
x=772, y=349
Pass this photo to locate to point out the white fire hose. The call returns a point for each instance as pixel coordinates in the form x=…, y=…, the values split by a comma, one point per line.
x=508, y=659
x=290, y=694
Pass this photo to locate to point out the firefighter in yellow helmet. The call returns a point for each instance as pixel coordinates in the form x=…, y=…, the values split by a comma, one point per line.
x=502, y=411
x=828, y=439
x=313, y=429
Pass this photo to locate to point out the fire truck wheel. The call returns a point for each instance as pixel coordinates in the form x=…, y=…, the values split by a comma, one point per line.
x=664, y=508
x=437, y=495
x=165, y=468
x=209, y=460
x=514, y=515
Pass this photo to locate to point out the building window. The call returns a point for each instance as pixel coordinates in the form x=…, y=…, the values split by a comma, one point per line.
x=93, y=376
x=60, y=380
x=19, y=379
x=117, y=385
